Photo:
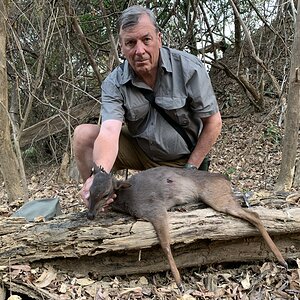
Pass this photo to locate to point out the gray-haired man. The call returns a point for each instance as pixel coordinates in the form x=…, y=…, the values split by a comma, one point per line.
x=181, y=87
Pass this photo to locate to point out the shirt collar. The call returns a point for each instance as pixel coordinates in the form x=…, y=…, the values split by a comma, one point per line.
x=128, y=73
x=165, y=59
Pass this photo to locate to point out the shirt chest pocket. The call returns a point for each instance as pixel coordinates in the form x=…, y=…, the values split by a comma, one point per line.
x=175, y=108
x=136, y=111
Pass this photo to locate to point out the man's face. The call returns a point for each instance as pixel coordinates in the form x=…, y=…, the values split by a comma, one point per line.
x=140, y=45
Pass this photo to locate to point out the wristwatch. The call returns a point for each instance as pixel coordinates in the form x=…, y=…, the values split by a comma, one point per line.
x=190, y=166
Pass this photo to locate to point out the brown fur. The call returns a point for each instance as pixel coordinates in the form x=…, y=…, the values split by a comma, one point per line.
x=149, y=194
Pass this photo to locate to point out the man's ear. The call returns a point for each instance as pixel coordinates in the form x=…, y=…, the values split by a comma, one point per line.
x=159, y=36
x=120, y=48
x=121, y=185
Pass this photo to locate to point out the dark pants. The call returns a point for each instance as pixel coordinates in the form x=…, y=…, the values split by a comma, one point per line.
x=131, y=156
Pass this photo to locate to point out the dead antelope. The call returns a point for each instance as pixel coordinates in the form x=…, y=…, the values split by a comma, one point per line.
x=149, y=194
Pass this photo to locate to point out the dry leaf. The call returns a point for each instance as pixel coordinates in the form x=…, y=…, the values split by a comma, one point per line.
x=115, y=283
x=135, y=290
x=298, y=262
x=25, y=268
x=266, y=267
x=2, y=293
x=39, y=219
x=63, y=288
x=84, y=281
x=186, y=297
x=293, y=198
x=46, y=278
x=4, y=209
x=14, y=297
x=246, y=282
x=93, y=289
x=211, y=282
x=143, y=281
x=226, y=276
x=102, y=295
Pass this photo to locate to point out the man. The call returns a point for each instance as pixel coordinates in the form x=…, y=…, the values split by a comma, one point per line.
x=182, y=89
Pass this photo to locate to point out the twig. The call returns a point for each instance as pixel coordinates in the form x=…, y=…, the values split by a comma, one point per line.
x=83, y=39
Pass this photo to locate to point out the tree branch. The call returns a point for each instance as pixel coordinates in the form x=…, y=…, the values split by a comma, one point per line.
x=78, y=30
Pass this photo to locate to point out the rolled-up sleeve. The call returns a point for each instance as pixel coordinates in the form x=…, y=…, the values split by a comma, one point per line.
x=200, y=90
x=112, y=100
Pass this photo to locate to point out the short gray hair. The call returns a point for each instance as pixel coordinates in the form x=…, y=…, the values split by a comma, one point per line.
x=131, y=15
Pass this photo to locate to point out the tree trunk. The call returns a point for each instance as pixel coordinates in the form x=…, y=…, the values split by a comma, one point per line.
x=8, y=161
x=116, y=244
x=237, y=30
x=290, y=141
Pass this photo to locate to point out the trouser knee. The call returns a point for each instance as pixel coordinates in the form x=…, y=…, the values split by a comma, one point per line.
x=85, y=135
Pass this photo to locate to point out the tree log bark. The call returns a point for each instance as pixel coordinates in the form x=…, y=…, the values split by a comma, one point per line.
x=116, y=244
x=57, y=123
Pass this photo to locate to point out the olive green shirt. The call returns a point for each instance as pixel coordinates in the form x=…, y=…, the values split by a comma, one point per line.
x=183, y=89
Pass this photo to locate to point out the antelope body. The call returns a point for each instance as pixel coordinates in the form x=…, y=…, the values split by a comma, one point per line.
x=150, y=193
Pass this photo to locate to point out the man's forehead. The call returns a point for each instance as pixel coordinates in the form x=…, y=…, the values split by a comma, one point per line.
x=136, y=35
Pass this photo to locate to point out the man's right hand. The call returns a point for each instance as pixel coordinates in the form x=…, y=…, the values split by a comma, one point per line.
x=85, y=191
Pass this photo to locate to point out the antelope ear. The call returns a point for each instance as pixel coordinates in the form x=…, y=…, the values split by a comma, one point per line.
x=96, y=169
x=121, y=185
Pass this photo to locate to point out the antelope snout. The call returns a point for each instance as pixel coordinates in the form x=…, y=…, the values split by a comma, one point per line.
x=91, y=215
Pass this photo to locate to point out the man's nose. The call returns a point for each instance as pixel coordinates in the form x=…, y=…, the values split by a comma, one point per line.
x=140, y=48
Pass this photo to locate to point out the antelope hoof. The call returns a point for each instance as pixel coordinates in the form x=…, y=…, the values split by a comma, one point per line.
x=284, y=264
x=180, y=287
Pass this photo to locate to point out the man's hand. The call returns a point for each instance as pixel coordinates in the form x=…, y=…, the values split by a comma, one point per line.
x=85, y=191
x=85, y=194
x=108, y=202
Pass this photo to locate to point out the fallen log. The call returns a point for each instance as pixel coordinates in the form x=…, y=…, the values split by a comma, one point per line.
x=115, y=244
x=59, y=122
